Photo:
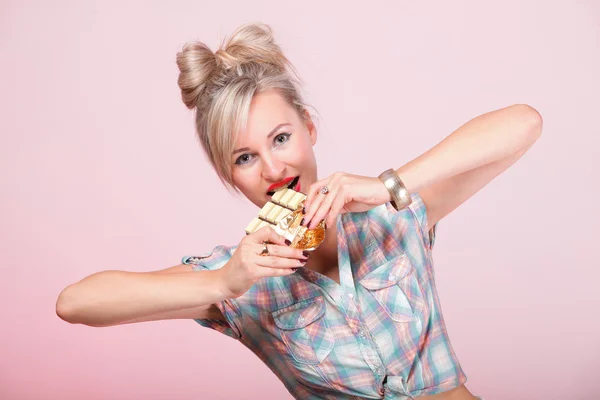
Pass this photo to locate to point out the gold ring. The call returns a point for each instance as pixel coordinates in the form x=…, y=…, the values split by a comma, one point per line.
x=265, y=250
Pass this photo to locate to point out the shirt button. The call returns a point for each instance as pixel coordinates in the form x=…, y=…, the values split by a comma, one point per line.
x=391, y=277
x=301, y=319
x=350, y=295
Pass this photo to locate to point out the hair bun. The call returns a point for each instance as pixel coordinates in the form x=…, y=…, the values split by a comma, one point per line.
x=221, y=86
x=196, y=64
x=252, y=43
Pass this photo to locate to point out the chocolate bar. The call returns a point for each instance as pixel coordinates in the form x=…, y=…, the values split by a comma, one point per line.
x=284, y=214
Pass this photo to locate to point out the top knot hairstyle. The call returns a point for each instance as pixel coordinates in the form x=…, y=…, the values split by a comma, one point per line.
x=220, y=87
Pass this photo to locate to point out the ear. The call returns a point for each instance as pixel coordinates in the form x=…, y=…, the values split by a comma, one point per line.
x=310, y=125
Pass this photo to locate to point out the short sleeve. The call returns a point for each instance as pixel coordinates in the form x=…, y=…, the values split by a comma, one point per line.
x=418, y=209
x=229, y=307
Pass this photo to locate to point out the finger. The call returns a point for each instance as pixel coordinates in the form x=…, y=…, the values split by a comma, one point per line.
x=269, y=272
x=314, y=189
x=281, y=251
x=312, y=209
x=324, y=207
x=318, y=198
x=278, y=262
x=268, y=234
x=335, y=210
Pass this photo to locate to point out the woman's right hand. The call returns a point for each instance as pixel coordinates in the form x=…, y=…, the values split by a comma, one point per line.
x=247, y=266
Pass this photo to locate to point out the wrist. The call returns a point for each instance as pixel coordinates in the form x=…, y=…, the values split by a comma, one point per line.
x=220, y=284
x=398, y=194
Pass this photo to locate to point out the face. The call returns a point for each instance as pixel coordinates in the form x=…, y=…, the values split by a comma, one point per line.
x=275, y=148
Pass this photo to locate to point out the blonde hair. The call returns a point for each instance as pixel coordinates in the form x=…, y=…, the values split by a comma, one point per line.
x=220, y=87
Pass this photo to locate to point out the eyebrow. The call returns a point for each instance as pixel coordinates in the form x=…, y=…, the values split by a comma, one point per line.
x=273, y=131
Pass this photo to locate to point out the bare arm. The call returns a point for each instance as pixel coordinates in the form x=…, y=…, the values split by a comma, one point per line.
x=118, y=297
x=463, y=163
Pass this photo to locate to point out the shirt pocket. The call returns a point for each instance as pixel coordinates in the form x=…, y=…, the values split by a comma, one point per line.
x=303, y=329
x=395, y=286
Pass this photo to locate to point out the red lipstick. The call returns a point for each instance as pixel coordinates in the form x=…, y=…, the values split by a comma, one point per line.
x=280, y=183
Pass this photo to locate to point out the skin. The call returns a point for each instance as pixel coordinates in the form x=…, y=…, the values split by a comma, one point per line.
x=445, y=176
x=272, y=152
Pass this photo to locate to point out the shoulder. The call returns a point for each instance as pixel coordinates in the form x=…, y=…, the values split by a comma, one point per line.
x=411, y=219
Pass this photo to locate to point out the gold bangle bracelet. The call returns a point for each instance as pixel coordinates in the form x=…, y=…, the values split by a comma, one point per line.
x=398, y=192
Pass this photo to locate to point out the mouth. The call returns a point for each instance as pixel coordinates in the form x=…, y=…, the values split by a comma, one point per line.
x=294, y=184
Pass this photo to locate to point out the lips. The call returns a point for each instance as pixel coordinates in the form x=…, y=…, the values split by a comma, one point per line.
x=288, y=182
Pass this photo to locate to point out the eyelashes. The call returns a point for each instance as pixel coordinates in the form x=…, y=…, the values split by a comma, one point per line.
x=246, y=158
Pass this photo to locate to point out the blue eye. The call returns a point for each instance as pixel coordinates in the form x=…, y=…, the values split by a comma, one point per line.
x=243, y=159
x=282, y=138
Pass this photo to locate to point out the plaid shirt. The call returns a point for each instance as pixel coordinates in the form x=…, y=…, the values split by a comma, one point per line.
x=379, y=334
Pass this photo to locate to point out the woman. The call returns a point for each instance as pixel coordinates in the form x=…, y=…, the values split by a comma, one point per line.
x=358, y=317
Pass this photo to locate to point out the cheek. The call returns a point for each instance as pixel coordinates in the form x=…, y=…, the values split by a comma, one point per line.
x=245, y=179
x=305, y=154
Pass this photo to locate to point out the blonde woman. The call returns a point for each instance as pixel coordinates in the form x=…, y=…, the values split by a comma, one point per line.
x=359, y=317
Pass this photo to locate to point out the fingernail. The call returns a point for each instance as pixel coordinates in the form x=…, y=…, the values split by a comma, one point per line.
x=294, y=269
x=302, y=262
x=288, y=242
x=305, y=253
x=302, y=222
x=303, y=210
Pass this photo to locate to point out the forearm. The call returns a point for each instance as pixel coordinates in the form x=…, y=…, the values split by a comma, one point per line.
x=112, y=297
x=484, y=140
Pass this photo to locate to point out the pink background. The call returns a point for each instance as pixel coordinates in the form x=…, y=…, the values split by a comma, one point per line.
x=100, y=169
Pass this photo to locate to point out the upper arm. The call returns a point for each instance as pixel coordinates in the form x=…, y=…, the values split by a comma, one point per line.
x=444, y=197
x=176, y=268
x=203, y=312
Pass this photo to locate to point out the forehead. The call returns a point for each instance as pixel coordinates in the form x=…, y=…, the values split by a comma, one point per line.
x=267, y=110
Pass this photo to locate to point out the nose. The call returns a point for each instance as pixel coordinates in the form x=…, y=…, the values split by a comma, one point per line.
x=272, y=168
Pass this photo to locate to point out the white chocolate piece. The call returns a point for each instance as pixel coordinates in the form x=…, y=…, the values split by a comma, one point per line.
x=296, y=200
x=278, y=195
x=284, y=213
x=267, y=208
x=287, y=197
x=272, y=216
x=253, y=225
x=261, y=225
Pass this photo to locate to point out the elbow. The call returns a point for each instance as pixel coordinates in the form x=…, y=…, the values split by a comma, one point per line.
x=66, y=308
x=530, y=120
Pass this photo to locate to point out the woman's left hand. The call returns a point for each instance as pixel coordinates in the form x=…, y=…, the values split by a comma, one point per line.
x=346, y=193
